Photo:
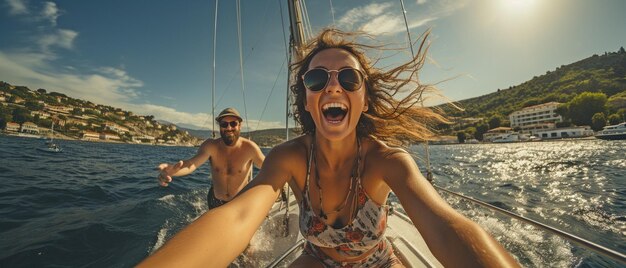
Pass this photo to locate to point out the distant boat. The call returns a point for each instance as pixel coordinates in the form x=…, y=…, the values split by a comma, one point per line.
x=51, y=147
x=614, y=132
x=508, y=137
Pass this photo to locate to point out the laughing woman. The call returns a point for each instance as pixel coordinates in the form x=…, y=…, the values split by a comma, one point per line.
x=341, y=171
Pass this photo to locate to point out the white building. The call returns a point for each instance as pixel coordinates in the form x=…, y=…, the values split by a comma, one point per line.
x=12, y=127
x=494, y=133
x=566, y=132
x=90, y=135
x=30, y=127
x=42, y=115
x=536, y=118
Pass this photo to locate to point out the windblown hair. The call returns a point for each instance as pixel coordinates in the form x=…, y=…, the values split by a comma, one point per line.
x=397, y=122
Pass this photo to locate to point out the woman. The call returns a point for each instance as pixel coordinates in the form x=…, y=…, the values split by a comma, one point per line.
x=341, y=172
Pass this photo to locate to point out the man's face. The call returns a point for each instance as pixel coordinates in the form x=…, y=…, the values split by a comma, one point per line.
x=229, y=130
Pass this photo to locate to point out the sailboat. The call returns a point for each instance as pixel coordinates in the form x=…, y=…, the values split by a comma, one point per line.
x=281, y=226
x=408, y=244
x=51, y=147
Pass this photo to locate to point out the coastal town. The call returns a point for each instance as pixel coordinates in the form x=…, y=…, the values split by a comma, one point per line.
x=42, y=114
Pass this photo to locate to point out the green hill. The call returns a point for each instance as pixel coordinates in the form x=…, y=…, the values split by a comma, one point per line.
x=264, y=138
x=598, y=73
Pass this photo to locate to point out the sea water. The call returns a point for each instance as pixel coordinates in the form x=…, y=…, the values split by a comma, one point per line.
x=99, y=204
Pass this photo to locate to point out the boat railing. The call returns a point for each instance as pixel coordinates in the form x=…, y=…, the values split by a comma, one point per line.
x=288, y=252
x=410, y=245
x=581, y=241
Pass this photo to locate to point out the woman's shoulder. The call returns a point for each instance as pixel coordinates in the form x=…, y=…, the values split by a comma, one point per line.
x=292, y=149
x=381, y=151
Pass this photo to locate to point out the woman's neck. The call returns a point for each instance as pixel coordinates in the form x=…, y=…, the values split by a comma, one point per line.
x=337, y=153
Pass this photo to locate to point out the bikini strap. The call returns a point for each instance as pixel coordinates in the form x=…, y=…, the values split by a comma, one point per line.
x=308, y=168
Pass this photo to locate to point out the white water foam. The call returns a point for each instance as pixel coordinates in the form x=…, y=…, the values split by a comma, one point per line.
x=161, y=237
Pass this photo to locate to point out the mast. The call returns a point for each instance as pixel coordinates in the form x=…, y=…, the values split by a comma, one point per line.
x=296, y=42
x=296, y=29
x=213, y=82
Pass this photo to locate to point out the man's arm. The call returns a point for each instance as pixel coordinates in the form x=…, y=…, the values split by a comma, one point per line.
x=257, y=155
x=219, y=235
x=455, y=240
x=184, y=167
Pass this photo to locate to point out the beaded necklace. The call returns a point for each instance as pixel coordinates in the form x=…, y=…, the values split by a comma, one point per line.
x=353, y=176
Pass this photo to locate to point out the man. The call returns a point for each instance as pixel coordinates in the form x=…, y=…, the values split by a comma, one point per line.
x=231, y=160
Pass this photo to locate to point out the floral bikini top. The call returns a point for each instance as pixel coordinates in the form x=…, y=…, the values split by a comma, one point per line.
x=365, y=230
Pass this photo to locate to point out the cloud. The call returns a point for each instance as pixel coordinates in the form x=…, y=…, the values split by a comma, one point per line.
x=60, y=38
x=38, y=66
x=50, y=12
x=17, y=7
x=105, y=85
x=384, y=19
x=360, y=14
x=383, y=24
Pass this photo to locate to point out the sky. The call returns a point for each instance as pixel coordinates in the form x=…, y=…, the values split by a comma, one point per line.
x=156, y=57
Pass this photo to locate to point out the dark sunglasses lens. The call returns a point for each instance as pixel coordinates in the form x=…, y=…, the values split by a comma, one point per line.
x=315, y=80
x=231, y=123
x=350, y=79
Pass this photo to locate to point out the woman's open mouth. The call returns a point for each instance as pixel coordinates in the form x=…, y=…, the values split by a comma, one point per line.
x=334, y=112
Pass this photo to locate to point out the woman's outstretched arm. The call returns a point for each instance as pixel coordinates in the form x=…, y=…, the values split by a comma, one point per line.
x=455, y=240
x=216, y=238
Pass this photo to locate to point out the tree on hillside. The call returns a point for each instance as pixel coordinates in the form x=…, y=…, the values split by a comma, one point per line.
x=495, y=121
x=586, y=104
x=41, y=91
x=614, y=119
x=77, y=111
x=33, y=105
x=21, y=115
x=621, y=50
x=461, y=136
x=481, y=129
x=562, y=110
x=617, y=101
x=5, y=116
x=598, y=121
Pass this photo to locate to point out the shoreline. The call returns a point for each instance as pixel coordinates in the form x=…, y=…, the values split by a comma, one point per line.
x=68, y=138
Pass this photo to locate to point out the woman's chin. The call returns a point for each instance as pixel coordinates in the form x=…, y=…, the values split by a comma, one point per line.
x=334, y=130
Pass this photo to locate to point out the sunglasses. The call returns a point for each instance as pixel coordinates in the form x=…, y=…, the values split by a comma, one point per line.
x=231, y=123
x=317, y=79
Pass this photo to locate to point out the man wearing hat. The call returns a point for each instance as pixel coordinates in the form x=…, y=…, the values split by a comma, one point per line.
x=231, y=160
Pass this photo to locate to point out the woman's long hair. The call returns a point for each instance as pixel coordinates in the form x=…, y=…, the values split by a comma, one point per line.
x=396, y=122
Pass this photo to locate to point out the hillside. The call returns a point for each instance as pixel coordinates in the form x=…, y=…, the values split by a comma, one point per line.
x=598, y=73
x=264, y=138
x=23, y=110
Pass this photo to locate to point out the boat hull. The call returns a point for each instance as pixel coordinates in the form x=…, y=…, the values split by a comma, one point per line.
x=612, y=137
x=50, y=150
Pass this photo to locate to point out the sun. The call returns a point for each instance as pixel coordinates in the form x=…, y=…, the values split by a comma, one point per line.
x=517, y=6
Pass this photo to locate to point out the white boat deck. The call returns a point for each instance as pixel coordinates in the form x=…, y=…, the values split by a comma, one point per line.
x=275, y=239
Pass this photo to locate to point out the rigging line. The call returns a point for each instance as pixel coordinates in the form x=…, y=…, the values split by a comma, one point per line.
x=307, y=22
x=429, y=171
x=406, y=24
x=243, y=91
x=282, y=23
x=332, y=10
x=270, y=95
x=219, y=100
x=213, y=82
x=288, y=60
